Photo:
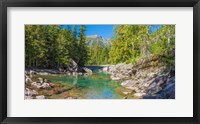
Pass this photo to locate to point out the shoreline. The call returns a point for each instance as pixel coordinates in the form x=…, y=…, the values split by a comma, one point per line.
x=145, y=79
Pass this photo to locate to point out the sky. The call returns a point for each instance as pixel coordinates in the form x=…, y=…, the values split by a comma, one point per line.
x=105, y=31
x=154, y=28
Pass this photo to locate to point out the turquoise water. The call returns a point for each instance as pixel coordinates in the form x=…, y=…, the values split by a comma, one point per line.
x=95, y=86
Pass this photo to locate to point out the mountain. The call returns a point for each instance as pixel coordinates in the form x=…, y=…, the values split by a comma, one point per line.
x=97, y=39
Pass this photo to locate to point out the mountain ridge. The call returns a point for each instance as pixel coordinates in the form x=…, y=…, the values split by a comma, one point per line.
x=92, y=40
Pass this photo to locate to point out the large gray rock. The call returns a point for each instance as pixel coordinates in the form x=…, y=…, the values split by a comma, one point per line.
x=40, y=86
x=156, y=85
x=170, y=80
x=153, y=90
x=72, y=66
x=45, y=86
x=43, y=73
x=168, y=92
x=134, y=85
x=87, y=70
x=36, y=85
x=115, y=78
x=164, y=88
x=105, y=69
x=120, y=71
x=128, y=83
x=153, y=85
x=148, y=77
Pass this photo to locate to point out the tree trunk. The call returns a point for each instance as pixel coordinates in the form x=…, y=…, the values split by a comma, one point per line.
x=168, y=37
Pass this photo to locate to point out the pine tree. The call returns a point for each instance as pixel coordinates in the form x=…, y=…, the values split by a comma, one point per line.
x=82, y=59
x=35, y=45
x=61, y=49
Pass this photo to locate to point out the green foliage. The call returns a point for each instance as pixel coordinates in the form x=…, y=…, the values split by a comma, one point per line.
x=50, y=46
x=82, y=56
x=98, y=55
x=35, y=44
x=61, y=49
x=132, y=42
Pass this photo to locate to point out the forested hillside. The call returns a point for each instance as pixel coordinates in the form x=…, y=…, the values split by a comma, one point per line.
x=51, y=46
x=132, y=42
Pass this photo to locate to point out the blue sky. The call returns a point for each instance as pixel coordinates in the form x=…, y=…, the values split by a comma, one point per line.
x=106, y=31
x=154, y=28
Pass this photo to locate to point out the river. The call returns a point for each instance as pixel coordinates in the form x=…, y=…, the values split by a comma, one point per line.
x=95, y=86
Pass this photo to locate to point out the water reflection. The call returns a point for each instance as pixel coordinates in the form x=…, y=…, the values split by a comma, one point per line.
x=95, y=86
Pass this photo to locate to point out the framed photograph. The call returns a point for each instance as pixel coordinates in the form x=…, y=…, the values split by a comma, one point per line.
x=99, y=61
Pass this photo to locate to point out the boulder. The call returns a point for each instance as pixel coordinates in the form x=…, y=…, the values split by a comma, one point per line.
x=45, y=86
x=40, y=97
x=43, y=73
x=120, y=71
x=168, y=92
x=148, y=77
x=68, y=73
x=80, y=73
x=128, y=83
x=30, y=73
x=74, y=73
x=153, y=90
x=125, y=66
x=87, y=70
x=34, y=93
x=170, y=80
x=40, y=86
x=28, y=79
x=105, y=69
x=40, y=80
x=115, y=78
x=36, y=85
x=72, y=66
x=156, y=85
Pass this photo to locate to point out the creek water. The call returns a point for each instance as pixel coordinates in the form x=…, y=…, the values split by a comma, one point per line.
x=95, y=86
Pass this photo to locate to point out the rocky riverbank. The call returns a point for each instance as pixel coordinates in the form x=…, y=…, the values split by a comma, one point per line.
x=71, y=69
x=147, y=78
x=40, y=88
